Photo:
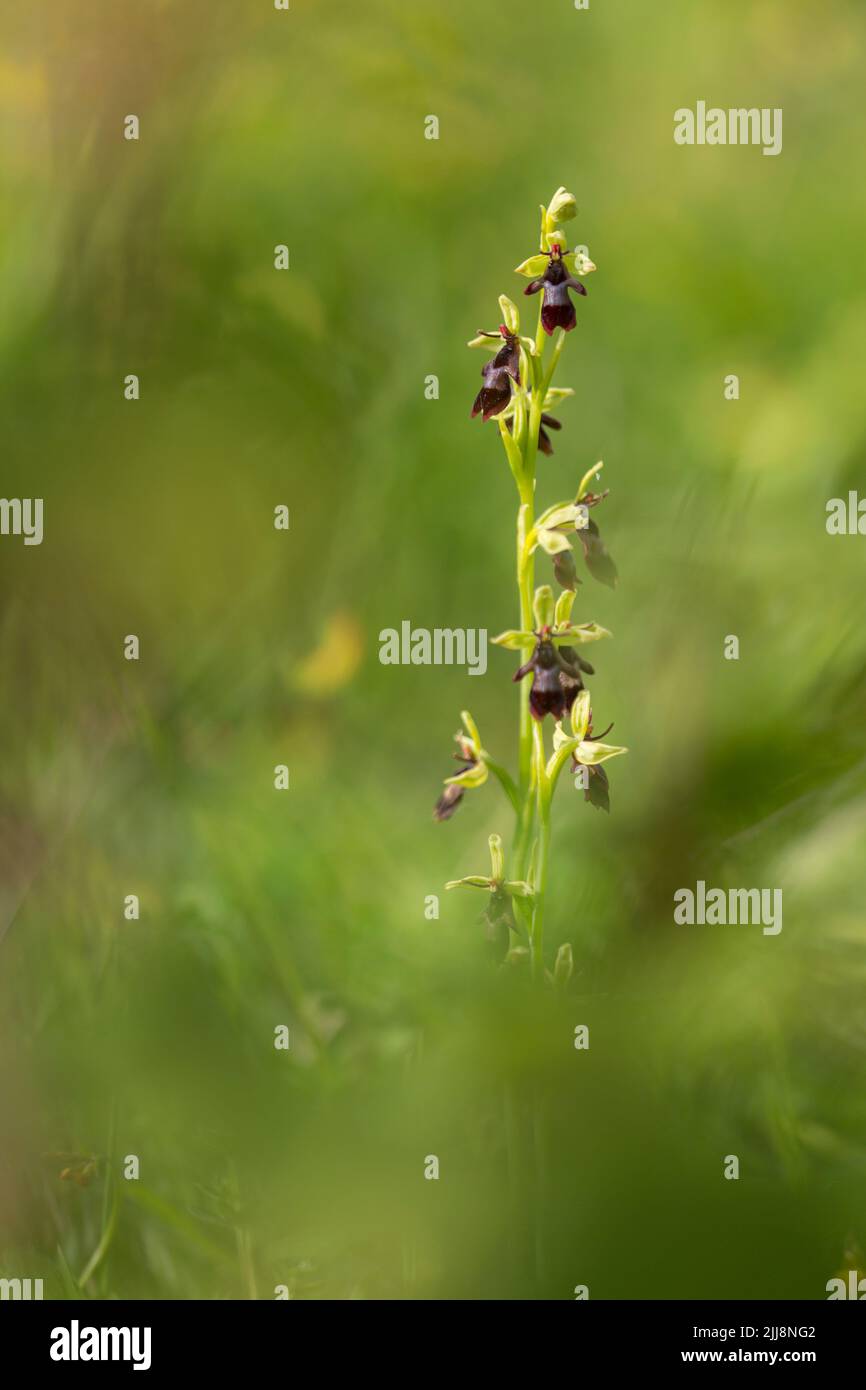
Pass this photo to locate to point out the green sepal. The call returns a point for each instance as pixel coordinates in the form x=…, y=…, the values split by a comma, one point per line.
x=518, y=888
x=587, y=479
x=562, y=514
x=471, y=881
x=590, y=753
x=515, y=641
x=560, y=737
x=555, y=236
x=532, y=267
x=497, y=858
x=564, y=605
x=573, y=633
x=550, y=541
x=510, y=316
x=472, y=777
x=543, y=606
x=472, y=729
x=580, y=712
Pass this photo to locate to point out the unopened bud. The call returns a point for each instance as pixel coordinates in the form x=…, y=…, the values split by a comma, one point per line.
x=564, y=965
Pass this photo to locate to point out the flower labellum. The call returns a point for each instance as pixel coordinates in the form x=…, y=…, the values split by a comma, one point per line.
x=556, y=678
x=557, y=310
x=597, y=789
x=496, y=391
x=448, y=802
x=548, y=422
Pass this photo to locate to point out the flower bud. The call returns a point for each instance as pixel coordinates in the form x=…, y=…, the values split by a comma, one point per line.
x=497, y=859
x=561, y=208
x=510, y=316
x=564, y=965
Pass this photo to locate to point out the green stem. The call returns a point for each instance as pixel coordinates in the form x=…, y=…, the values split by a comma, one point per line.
x=554, y=359
x=543, y=857
x=525, y=587
x=525, y=581
x=506, y=781
x=106, y=1237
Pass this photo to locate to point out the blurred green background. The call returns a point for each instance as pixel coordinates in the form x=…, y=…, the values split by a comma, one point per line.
x=260, y=647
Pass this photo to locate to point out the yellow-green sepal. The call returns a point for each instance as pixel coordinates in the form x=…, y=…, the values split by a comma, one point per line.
x=532, y=267
x=510, y=316
x=573, y=634
x=580, y=712
x=543, y=606
x=515, y=641
x=474, y=776
x=564, y=605
x=587, y=479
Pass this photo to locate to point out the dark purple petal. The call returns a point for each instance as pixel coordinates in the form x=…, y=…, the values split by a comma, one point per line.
x=557, y=314
x=448, y=802
x=494, y=395
x=524, y=669
x=597, y=789
x=551, y=423
x=507, y=359
x=595, y=553
x=572, y=659
x=564, y=570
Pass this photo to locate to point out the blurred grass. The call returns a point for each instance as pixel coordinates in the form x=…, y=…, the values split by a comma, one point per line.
x=260, y=1168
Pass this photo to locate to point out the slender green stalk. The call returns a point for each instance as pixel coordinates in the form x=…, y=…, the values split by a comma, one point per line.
x=517, y=390
x=525, y=581
x=525, y=585
x=544, y=793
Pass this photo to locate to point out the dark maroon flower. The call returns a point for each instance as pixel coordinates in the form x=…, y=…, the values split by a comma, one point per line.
x=596, y=554
x=452, y=794
x=557, y=310
x=556, y=678
x=496, y=391
x=597, y=789
x=548, y=422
